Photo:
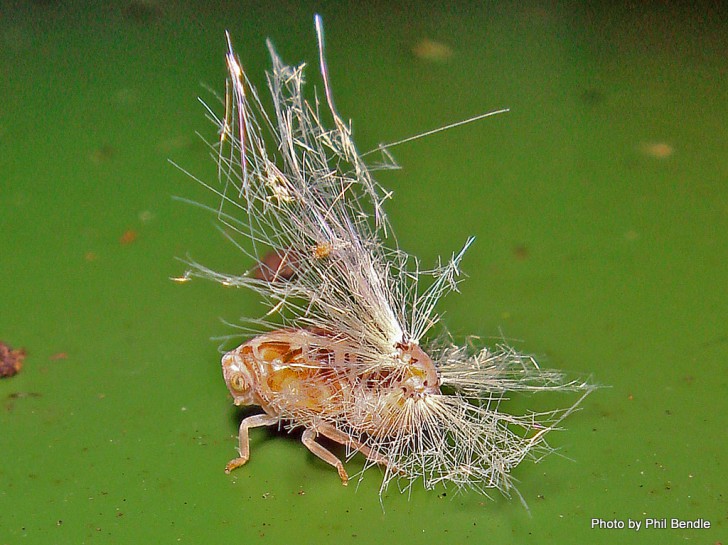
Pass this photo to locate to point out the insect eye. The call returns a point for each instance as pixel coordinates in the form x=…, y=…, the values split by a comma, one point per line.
x=238, y=382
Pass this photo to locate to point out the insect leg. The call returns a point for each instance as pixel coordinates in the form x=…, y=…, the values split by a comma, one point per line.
x=244, y=442
x=327, y=430
x=309, y=439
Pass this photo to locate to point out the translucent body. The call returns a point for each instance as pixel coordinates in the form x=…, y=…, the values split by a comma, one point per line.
x=315, y=379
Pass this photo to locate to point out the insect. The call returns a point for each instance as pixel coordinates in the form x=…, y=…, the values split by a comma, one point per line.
x=342, y=351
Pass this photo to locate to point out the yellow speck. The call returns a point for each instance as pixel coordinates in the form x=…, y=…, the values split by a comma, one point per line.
x=430, y=50
x=658, y=150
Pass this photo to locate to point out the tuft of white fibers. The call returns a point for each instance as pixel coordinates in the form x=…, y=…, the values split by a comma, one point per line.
x=341, y=350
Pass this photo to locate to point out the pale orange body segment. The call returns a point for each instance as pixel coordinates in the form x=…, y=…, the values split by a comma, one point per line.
x=314, y=380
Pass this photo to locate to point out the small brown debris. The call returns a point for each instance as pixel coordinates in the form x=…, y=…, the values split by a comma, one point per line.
x=23, y=395
x=15, y=396
x=520, y=252
x=59, y=356
x=274, y=267
x=128, y=237
x=281, y=265
x=11, y=361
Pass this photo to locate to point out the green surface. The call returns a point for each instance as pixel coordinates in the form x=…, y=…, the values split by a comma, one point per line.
x=605, y=252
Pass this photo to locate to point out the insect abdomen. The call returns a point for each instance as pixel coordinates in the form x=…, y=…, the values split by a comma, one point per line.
x=289, y=382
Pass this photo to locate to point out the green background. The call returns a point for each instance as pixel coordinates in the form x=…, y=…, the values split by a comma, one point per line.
x=599, y=203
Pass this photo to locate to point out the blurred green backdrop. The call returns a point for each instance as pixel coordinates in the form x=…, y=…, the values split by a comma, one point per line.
x=599, y=203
